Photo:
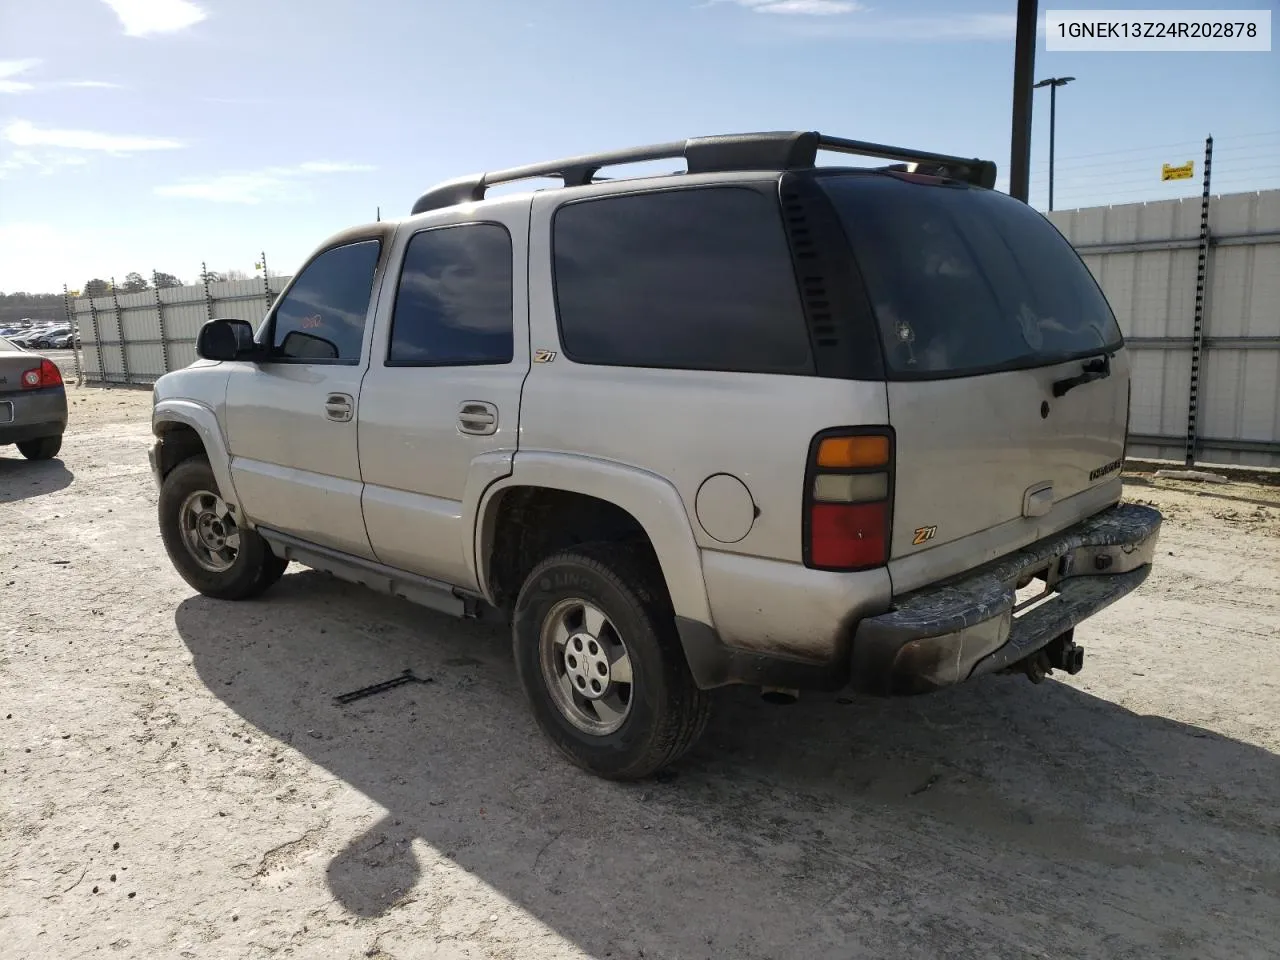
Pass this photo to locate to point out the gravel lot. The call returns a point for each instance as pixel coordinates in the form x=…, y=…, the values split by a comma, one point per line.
x=178, y=781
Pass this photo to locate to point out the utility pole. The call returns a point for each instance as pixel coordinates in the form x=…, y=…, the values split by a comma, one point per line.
x=1024, y=64
x=1053, y=83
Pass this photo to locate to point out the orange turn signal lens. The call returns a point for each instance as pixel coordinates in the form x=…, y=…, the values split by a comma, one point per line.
x=853, y=452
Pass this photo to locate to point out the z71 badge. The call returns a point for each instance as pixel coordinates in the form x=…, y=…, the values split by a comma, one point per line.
x=924, y=534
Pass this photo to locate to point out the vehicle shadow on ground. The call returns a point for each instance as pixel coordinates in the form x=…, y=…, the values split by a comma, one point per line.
x=22, y=479
x=1002, y=814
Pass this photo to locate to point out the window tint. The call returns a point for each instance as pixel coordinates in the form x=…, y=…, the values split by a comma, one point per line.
x=965, y=280
x=322, y=316
x=691, y=279
x=454, y=301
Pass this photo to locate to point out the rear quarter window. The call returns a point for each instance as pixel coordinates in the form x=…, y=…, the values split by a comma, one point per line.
x=964, y=281
x=694, y=279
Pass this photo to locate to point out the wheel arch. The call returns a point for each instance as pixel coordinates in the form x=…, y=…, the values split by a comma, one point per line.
x=177, y=422
x=644, y=499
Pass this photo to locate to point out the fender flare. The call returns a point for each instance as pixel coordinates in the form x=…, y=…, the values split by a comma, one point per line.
x=204, y=422
x=650, y=499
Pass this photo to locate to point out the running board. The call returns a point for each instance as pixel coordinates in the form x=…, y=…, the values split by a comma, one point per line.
x=423, y=591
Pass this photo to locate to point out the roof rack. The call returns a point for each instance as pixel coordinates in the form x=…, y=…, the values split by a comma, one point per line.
x=739, y=151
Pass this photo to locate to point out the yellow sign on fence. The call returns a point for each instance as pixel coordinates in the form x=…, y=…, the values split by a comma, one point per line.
x=1184, y=172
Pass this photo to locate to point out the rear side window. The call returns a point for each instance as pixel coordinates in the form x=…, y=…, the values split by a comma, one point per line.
x=697, y=279
x=966, y=281
x=322, y=317
x=454, y=302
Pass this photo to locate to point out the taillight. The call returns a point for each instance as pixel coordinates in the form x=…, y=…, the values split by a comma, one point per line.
x=848, y=504
x=45, y=375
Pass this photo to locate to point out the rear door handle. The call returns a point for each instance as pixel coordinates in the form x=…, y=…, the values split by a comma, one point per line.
x=478, y=418
x=338, y=406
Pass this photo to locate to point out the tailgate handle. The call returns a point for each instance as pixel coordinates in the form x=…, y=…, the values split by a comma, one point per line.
x=1038, y=500
x=1098, y=369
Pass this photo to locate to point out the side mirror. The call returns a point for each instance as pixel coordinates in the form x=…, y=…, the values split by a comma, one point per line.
x=226, y=340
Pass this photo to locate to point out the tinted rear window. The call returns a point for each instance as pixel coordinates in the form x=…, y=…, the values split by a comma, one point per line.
x=964, y=281
x=697, y=279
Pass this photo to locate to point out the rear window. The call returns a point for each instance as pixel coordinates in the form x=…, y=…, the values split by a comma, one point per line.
x=966, y=281
x=697, y=279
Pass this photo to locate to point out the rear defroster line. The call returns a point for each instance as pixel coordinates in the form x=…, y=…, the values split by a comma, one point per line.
x=407, y=676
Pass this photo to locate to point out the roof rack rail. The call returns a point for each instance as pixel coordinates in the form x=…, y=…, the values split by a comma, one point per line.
x=739, y=151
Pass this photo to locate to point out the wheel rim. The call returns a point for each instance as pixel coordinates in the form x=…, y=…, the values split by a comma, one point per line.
x=586, y=667
x=209, y=531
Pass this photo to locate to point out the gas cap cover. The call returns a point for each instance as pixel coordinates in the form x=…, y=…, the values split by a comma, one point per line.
x=725, y=508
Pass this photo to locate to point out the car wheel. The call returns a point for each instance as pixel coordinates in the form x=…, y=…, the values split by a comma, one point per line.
x=45, y=448
x=205, y=543
x=598, y=656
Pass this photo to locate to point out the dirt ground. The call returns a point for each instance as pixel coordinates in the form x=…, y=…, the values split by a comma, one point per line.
x=177, y=780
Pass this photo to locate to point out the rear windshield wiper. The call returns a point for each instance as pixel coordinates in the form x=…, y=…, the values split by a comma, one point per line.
x=1097, y=369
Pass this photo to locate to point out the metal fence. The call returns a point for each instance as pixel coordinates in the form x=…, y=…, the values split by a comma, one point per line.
x=135, y=338
x=1198, y=299
x=1199, y=305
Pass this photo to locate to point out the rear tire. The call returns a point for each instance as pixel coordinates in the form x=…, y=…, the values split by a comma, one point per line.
x=598, y=656
x=205, y=544
x=45, y=448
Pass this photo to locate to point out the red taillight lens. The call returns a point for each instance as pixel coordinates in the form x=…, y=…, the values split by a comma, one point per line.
x=45, y=375
x=849, y=499
x=852, y=537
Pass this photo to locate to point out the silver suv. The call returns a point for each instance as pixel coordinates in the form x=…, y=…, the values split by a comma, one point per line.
x=758, y=422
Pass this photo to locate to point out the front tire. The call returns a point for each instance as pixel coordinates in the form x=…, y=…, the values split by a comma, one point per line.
x=45, y=448
x=206, y=545
x=598, y=656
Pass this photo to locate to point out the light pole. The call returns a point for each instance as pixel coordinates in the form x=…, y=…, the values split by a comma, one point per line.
x=1053, y=83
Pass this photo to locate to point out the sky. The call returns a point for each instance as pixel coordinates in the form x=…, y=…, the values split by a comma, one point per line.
x=159, y=134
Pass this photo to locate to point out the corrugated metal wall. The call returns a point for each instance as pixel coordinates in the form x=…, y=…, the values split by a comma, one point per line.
x=139, y=337
x=1145, y=256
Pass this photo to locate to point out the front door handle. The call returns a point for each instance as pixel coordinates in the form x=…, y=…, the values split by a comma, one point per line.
x=478, y=418
x=338, y=406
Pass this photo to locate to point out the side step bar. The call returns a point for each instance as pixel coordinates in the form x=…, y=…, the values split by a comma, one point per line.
x=423, y=591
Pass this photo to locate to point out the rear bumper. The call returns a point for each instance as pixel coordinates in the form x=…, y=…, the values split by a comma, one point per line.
x=965, y=627
x=36, y=414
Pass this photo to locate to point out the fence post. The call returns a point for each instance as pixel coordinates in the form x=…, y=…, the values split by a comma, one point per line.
x=97, y=341
x=1197, y=331
x=71, y=322
x=124, y=347
x=208, y=294
x=164, y=340
x=266, y=282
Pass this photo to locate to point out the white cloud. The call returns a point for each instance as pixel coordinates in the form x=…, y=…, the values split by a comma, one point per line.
x=964, y=26
x=322, y=166
x=142, y=18
x=249, y=188
x=12, y=68
x=819, y=18
x=257, y=186
x=23, y=133
x=809, y=8
x=43, y=163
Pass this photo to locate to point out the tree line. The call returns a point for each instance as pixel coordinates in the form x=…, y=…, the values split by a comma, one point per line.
x=135, y=282
x=21, y=305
